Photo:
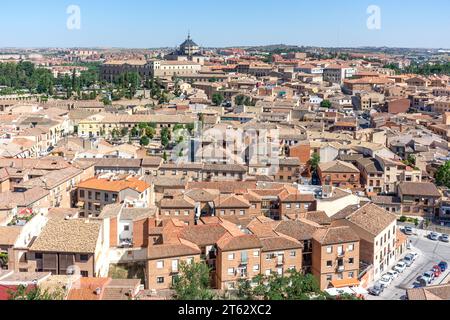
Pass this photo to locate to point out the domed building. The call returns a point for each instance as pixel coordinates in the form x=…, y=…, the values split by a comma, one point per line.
x=187, y=51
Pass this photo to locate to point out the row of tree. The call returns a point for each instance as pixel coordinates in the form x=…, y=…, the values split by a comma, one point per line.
x=24, y=75
x=422, y=68
x=193, y=283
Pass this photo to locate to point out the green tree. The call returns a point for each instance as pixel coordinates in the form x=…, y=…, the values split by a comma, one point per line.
x=145, y=141
x=3, y=259
x=26, y=293
x=135, y=132
x=293, y=286
x=217, y=99
x=325, y=104
x=165, y=137
x=150, y=132
x=314, y=162
x=443, y=175
x=193, y=282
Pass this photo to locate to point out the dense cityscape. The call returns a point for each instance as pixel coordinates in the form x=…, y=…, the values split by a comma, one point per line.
x=243, y=173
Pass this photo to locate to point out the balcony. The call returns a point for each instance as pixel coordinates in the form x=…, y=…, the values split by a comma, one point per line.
x=341, y=254
x=280, y=261
x=340, y=268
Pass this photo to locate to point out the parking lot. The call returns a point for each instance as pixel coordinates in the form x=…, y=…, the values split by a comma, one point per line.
x=429, y=253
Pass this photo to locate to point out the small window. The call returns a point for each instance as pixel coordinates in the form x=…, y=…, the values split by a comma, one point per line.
x=126, y=228
x=351, y=247
x=84, y=257
x=256, y=253
x=231, y=256
x=38, y=255
x=159, y=264
x=329, y=249
x=230, y=271
x=160, y=280
x=84, y=274
x=329, y=263
x=293, y=253
x=256, y=268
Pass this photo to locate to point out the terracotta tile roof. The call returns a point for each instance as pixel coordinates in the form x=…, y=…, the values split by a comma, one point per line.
x=203, y=195
x=121, y=289
x=8, y=235
x=419, y=189
x=338, y=166
x=241, y=242
x=439, y=292
x=86, y=289
x=232, y=201
x=299, y=229
x=279, y=243
x=73, y=236
x=114, y=185
x=22, y=199
x=334, y=235
x=172, y=250
x=152, y=161
x=319, y=217
x=178, y=202
x=222, y=186
x=203, y=235
x=372, y=218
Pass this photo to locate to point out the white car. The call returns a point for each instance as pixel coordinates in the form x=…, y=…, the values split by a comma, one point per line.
x=385, y=280
x=400, y=267
x=414, y=255
x=393, y=274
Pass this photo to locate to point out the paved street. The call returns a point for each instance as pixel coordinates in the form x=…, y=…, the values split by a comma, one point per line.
x=430, y=253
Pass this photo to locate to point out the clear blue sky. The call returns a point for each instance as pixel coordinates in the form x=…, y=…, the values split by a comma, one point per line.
x=157, y=23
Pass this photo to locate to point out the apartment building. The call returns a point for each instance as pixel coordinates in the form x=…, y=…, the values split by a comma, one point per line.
x=339, y=174
x=280, y=255
x=377, y=230
x=441, y=105
x=372, y=175
x=335, y=259
x=71, y=247
x=419, y=199
x=395, y=172
x=93, y=194
x=238, y=257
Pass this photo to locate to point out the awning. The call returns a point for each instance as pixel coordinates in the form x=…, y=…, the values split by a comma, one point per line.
x=359, y=290
x=336, y=292
x=345, y=283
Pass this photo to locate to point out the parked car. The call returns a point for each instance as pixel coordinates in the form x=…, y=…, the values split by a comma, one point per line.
x=443, y=265
x=421, y=282
x=400, y=267
x=433, y=236
x=428, y=276
x=385, y=280
x=393, y=274
x=408, y=231
x=444, y=238
x=408, y=260
x=437, y=271
x=376, y=290
x=414, y=255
